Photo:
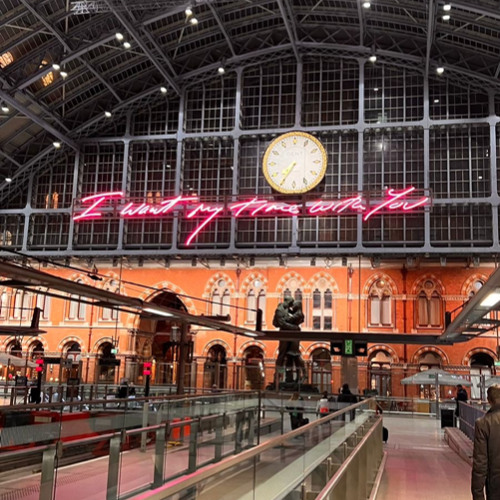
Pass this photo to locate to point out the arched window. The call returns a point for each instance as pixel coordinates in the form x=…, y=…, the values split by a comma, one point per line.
x=221, y=298
x=380, y=304
x=22, y=305
x=35, y=350
x=379, y=372
x=107, y=366
x=256, y=299
x=215, y=369
x=15, y=349
x=4, y=304
x=293, y=290
x=429, y=306
x=76, y=308
x=107, y=313
x=254, y=368
x=321, y=369
x=475, y=287
x=43, y=302
x=322, y=309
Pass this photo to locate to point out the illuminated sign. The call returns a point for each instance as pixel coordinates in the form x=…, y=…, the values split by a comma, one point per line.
x=98, y=205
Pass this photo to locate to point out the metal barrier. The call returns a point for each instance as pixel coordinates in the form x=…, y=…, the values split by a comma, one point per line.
x=302, y=461
x=468, y=414
x=210, y=429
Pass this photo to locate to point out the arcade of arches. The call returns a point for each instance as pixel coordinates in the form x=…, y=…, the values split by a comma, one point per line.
x=85, y=343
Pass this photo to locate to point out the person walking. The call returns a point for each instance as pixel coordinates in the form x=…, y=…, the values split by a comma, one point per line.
x=486, y=455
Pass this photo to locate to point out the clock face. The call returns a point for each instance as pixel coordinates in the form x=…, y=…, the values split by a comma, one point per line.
x=294, y=162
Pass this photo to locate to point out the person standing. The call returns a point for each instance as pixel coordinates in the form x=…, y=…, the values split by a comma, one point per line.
x=461, y=396
x=323, y=405
x=486, y=455
x=296, y=414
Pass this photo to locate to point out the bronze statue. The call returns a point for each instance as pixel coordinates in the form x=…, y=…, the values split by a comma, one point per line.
x=287, y=317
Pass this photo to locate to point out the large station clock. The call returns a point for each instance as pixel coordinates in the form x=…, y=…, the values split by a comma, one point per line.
x=294, y=162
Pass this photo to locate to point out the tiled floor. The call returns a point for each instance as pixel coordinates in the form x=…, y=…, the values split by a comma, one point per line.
x=420, y=465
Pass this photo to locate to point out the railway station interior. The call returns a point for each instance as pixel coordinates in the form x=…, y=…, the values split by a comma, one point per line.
x=214, y=212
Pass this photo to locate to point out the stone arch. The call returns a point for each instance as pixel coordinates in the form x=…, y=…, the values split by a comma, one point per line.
x=417, y=285
x=98, y=343
x=314, y=346
x=252, y=343
x=26, y=343
x=434, y=349
x=319, y=276
x=214, y=279
x=383, y=347
x=82, y=277
x=7, y=340
x=250, y=279
x=476, y=350
x=68, y=340
x=287, y=277
x=133, y=320
x=221, y=342
x=113, y=276
x=380, y=276
x=276, y=352
x=470, y=281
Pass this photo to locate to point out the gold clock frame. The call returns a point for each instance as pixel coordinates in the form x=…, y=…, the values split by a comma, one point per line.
x=265, y=166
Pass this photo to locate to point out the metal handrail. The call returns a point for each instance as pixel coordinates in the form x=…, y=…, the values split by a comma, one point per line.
x=190, y=480
x=337, y=477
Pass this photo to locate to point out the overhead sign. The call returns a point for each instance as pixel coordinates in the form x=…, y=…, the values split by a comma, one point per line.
x=98, y=206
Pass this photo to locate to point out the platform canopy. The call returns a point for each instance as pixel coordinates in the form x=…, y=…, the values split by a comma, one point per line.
x=435, y=376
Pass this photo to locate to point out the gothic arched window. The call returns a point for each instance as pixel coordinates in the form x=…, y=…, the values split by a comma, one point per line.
x=429, y=306
x=221, y=298
x=256, y=299
x=380, y=304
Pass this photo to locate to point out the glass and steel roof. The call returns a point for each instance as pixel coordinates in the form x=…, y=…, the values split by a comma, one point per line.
x=70, y=68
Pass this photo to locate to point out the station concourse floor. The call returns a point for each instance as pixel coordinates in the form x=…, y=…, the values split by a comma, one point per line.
x=420, y=464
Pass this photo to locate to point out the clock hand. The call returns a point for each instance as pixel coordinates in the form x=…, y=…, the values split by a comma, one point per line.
x=287, y=171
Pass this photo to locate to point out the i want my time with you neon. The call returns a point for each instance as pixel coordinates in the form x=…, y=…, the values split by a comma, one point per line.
x=254, y=207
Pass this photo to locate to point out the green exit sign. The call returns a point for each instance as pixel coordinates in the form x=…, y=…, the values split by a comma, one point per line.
x=497, y=363
x=348, y=348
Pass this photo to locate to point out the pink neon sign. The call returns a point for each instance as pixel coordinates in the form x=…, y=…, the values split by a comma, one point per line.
x=404, y=200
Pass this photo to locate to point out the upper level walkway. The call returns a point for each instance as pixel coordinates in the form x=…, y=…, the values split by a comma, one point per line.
x=418, y=464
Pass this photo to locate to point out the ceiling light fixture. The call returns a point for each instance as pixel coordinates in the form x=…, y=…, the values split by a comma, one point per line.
x=193, y=21
x=446, y=17
x=56, y=144
x=56, y=66
x=492, y=299
x=163, y=90
x=8, y=179
x=440, y=70
x=447, y=7
x=63, y=74
x=366, y=5
x=372, y=58
x=436, y=101
x=159, y=312
x=188, y=11
x=5, y=108
x=127, y=45
x=107, y=114
x=221, y=70
x=119, y=37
